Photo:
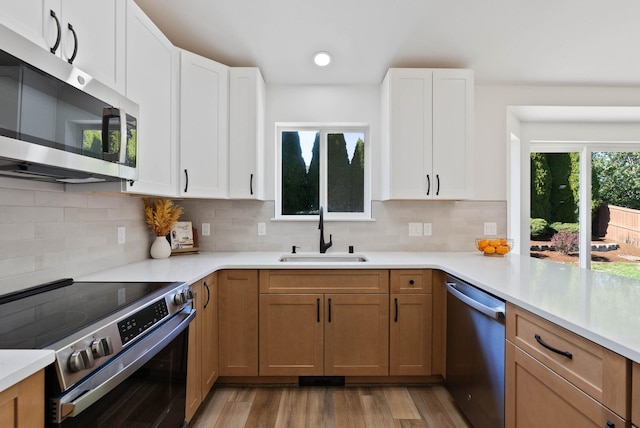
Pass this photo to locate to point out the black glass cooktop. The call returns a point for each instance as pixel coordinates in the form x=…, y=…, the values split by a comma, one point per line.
x=42, y=315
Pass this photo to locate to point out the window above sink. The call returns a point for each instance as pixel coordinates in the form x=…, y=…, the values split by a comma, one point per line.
x=323, y=164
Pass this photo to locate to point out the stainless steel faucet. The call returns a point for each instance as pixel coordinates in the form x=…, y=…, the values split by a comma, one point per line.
x=323, y=245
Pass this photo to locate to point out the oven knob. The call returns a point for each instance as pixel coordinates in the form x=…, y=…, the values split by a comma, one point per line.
x=183, y=296
x=180, y=298
x=81, y=360
x=102, y=347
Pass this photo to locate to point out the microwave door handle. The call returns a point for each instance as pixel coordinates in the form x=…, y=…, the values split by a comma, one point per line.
x=108, y=113
x=123, y=137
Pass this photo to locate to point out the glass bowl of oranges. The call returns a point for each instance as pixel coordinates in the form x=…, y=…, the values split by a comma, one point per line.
x=494, y=246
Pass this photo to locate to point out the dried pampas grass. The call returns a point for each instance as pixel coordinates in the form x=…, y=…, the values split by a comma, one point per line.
x=161, y=215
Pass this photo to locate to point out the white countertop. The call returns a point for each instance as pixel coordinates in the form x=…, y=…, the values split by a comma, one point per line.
x=17, y=365
x=598, y=306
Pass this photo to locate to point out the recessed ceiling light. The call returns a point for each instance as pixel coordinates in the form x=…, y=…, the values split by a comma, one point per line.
x=322, y=59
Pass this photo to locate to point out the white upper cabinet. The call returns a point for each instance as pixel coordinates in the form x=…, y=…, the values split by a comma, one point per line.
x=204, y=137
x=90, y=33
x=246, y=133
x=28, y=17
x=151, y=81
x=426, y=133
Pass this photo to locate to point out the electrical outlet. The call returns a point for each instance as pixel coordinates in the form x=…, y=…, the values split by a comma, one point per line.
x=262, y=229
x=415, y=229
x=121, y=235
x=490, y=229
x=426, y=229
x=206, y=229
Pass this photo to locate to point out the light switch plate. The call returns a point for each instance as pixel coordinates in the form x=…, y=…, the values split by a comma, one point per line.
x=415, y=229
x=262, y=229
x=426, y=229
x=206, y=229
x=490, y=229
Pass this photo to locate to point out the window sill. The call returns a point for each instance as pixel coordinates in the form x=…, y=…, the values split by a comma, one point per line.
x=326, y=220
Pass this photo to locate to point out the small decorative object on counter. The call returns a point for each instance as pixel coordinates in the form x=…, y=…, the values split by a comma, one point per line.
x=160, y=248
x=161, y=215
x=494, y=246
x=183, y=238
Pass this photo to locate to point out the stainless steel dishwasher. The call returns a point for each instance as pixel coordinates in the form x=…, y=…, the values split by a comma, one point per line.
x=475, y=353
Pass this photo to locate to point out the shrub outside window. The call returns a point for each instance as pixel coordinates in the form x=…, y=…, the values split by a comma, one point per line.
x=322, y=165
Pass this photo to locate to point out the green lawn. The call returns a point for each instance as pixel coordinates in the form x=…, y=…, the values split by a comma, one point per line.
x=629, y=270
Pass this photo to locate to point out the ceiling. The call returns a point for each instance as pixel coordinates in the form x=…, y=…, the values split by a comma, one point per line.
x=557, y=42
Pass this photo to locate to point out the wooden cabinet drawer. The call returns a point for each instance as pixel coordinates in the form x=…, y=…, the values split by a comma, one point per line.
x=538, y=397
x=324, y=281
x=597, y=371
x=418, y=281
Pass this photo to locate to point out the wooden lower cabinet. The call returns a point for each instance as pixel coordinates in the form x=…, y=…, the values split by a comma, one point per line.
x=538, y=397
x=411, y=322
x=209, y=333
x=238, y=322
x=594, y=369
x=324, y=334
x=202, y=357
x=22, y=405
x=291, y=334
x=356, y=335
x=410, y=335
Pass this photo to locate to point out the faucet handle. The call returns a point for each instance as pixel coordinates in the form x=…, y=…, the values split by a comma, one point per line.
x=293, y=249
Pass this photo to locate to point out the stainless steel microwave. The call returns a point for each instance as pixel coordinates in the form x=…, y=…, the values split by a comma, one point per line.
x=59, y=124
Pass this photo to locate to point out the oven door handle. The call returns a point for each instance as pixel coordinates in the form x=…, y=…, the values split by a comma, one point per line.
x=120, y=368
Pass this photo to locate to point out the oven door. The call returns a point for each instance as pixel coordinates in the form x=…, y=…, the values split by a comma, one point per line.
x=143, y=386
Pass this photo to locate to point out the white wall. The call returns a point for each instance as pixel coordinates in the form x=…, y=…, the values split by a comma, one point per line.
x=491, y=139
x=312, y=103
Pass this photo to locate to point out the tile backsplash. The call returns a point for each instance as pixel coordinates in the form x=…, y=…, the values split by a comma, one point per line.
x=48, y=234
x=454, y=226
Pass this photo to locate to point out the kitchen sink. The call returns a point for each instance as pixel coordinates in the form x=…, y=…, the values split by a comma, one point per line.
x=323, y=258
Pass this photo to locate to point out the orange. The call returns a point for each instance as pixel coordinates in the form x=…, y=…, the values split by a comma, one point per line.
x=494, y=242
x=489, y=249
x=482, y=244
x=502, y=249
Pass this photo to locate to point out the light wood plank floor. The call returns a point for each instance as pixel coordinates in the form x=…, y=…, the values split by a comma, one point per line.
x=349, y=407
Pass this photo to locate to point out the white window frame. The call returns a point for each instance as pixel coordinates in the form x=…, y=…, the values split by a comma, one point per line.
x=585, y=149
x=324, y=129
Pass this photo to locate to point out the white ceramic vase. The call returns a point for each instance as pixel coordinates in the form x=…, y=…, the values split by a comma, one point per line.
x=160, y=248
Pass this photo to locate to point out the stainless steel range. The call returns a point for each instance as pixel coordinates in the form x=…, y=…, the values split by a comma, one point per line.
x=120, y=349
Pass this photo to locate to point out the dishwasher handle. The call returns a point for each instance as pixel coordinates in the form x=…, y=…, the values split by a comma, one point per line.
x=495, y=313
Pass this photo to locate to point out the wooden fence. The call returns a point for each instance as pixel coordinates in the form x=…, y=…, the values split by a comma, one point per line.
x=623, y=224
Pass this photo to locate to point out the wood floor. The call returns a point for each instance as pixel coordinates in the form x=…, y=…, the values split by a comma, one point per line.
x=350, y=407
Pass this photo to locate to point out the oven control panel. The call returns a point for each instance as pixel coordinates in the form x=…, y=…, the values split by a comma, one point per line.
x=141, y=321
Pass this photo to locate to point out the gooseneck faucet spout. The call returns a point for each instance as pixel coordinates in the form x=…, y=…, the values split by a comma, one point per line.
x=323, y=245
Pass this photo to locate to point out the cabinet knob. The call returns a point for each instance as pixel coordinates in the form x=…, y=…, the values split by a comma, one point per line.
x=411, y=281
